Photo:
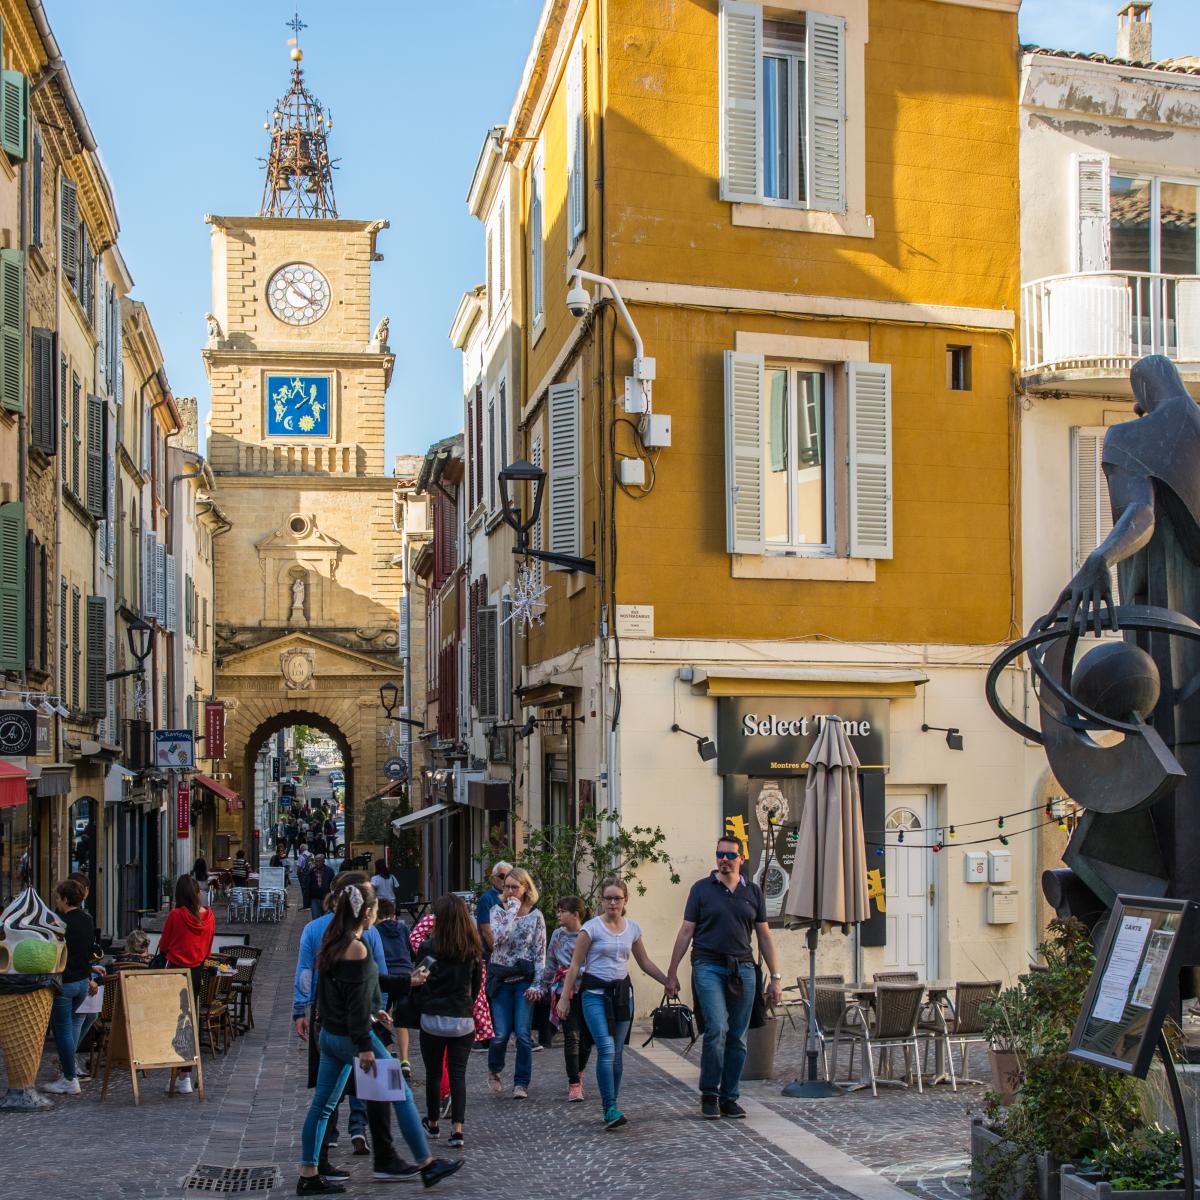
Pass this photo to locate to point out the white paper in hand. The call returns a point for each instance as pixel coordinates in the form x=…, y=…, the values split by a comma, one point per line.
x=387, y=1082
x=92, y=1004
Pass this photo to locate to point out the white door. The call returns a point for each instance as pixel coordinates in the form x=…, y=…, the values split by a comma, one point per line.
x=910, y=901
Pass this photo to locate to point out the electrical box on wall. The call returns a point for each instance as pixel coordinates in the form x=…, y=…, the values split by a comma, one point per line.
x=1002, y=906
x=632, y=472
x=655, y=429
x=999, y=866
x=975, y=867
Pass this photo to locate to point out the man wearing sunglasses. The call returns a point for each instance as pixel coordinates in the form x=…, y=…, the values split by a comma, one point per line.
x=721, y=911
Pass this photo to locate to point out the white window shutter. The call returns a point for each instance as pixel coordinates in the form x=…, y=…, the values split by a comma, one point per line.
x=172, y=598
x=148, y=572
x=1090, y=188
x=870, y=413
x=1092, y=517
x=576, y=148
x=535, y=457
x=404, y=642
x=102, y=377
x=160, y=583
x=740, y=70
x=563, y=471
x=744, y=432
x=825, y=53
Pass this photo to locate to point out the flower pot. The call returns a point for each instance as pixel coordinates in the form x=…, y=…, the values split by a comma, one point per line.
x=1006, y=1074
x=1082, y=1187
x=760, y=1050
x=998, y=1172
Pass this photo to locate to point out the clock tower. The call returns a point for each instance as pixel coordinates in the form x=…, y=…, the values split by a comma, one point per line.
x=308, y=598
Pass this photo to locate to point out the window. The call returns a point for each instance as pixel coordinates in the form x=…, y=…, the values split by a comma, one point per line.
x=35, y=197
x=563, y=474
x=97, y=655
x=487, y=661
x=783, y=108
x=76, y=432
x=13, y=556
x=12, y=329
x=1091, y=516
x=493, y=471
x=62, y=641
x=38, y=612
x=796, y=483
x=489, y=248
x=537, y=282
x=958, y=368
x=501, y=428
x=76, y=647
x=576, y=147
x=97, y=483
x=44, y=401
x=782, y=495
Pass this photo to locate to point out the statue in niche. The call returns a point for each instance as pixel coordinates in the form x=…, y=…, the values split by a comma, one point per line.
x=299, y=590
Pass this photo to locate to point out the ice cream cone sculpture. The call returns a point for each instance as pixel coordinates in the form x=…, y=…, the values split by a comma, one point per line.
x=32, y=937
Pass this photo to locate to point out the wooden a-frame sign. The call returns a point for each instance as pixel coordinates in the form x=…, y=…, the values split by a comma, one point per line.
x=153, y=1027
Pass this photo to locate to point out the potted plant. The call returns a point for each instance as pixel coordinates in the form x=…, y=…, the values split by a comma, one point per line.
x=1145, y=1164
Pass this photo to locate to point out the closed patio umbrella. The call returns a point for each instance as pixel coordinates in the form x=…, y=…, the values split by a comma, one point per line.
x=829, y=879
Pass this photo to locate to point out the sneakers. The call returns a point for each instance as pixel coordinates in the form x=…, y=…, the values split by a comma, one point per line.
x=431, y=1128
x=184, y=1085
x=317, y=1185
x=439, y=1169
x=731, y=1110
x=406, y=1067
x=455, y=1141
x=494, y=1083
x=538, y=1047
x=520, y=1093
x=709, y=1109
x=444, y=1111
x=359, y=1142
x=62, y=1086
x=575, y=1093
x=326, y=1169
x=82, y=1074
x=396, y=1168
x=614, y=1118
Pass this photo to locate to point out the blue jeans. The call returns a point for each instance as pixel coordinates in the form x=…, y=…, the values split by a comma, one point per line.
x=358, y=1116
x=337, y=1061
x=316, y=907
x=609, y=1047
x=66, y=1026
x=512, y=1013
x=725, y=1026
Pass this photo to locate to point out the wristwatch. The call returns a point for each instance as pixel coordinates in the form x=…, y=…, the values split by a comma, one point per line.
x=776, y=975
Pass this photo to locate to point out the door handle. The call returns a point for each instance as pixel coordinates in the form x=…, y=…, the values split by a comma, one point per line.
x=931, y=895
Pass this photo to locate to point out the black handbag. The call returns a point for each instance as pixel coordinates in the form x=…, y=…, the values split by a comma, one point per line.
x=671, y=1021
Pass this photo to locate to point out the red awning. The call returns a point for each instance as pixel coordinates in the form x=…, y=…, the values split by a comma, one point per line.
x=218, y=789
x=12, y=785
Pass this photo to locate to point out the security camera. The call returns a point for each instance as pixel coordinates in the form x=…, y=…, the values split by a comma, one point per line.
x=578, y=300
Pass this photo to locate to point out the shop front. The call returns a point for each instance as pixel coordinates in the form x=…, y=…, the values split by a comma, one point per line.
x=15, y=831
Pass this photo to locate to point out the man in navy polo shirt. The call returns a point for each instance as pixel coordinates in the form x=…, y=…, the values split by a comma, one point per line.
x=720, y=913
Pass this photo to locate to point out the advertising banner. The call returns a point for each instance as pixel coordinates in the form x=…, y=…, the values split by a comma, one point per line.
x=183, y=812
x=214, y=728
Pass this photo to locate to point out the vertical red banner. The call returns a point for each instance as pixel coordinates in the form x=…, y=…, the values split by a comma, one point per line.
x=183, y=816
x=214, y=729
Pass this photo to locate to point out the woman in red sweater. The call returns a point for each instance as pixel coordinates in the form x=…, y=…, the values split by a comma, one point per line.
x=186, y=940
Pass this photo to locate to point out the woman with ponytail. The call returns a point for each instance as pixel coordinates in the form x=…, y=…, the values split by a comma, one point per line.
x=349, y=1000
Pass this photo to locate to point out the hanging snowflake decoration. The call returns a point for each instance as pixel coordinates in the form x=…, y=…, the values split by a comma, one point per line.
x=527, y=602
x=139, y=697
x=389, y=734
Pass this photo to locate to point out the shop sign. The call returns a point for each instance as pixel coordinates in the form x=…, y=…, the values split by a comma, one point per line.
x=395, y=769
x=772, y=735
x=18, y=732
x=214, y=728
x=183, y=810
x=174, y=749
x=45, y=744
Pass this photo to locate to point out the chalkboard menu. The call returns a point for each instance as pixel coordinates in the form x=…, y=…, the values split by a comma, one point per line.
x=1133, y=983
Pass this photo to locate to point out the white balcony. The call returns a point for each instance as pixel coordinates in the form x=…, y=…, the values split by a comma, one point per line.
x=1081, y=330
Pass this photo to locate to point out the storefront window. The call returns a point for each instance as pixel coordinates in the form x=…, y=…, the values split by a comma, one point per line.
x=16, y=865
x=82, y=825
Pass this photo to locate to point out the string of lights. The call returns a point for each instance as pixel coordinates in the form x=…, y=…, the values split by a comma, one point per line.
x=1002, y=835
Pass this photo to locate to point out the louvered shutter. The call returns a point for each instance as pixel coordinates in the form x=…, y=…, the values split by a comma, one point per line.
x=404, y=633
x=12, y=586
x=473, y=634
x=740, y=70
x=189, y=607
x=62, y=640
x=535, y=457
x=1090, y=188
x=501, y=251
x=75, y=649
x=35, y=191
x=31, y=600
x=12, y=328
x=744, y=436
x=536, y=249
x=485, y=634
x=14, y=115
x=148, y=560
x=103, y=379
x=172, y=597
x=97, y=655
x=576, y=149
x=68, y=229
x=44, y=415
x=870, y=422
x=563, y=472
x=160, y=583
x=112, y=514
x=825, y=53
x=95, y=457
x=118, y=353
x=505, y=635
x=110, y=697
x=1093, y=520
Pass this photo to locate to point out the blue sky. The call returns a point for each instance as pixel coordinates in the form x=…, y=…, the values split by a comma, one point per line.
x=176, y=94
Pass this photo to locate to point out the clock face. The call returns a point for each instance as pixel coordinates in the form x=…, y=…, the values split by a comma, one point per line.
x=298, y=294
x=298, y=406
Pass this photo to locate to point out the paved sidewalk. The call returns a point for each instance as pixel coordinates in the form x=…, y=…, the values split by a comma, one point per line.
x=539, y=1148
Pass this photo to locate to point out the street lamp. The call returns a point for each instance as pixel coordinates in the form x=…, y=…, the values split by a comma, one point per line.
x=137, y=634
x=522, y=472
x=389, y=697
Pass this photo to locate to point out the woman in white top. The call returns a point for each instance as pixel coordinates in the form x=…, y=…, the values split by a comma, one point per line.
x=383, y=881
x=600, y=965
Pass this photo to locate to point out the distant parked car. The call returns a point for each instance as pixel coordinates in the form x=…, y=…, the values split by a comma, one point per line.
x=314, y=770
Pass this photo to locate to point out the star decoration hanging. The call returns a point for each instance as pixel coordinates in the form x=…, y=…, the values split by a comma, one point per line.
x=527, y=602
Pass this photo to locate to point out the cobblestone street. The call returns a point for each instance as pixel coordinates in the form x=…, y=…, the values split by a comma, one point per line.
x=850, y=1147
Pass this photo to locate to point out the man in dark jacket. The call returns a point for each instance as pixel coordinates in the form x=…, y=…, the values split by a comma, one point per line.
x=319, y=881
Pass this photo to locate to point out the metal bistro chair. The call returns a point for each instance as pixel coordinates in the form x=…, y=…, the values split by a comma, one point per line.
x=897, y=1009
x=836, y=1015
x=965, y=1024
x=270, y=906
x=800, y=999
x=241, y=905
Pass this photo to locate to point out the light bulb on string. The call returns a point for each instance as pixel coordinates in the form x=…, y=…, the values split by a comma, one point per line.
x=1003, y=840
x=952, y=834
x=900, y=839
x=999, y=822
x=878, y=851
x=937, y=847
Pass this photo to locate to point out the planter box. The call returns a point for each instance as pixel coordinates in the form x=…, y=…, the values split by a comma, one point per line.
x=989, y=1151
x=1083, y=1187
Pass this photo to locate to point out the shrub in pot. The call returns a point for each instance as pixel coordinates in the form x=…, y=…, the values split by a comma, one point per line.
x=1145, y=1163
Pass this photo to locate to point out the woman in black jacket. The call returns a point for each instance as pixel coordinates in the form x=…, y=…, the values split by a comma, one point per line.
x=446, y=998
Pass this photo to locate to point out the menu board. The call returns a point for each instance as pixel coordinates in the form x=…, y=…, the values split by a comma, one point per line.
x=1133, y=983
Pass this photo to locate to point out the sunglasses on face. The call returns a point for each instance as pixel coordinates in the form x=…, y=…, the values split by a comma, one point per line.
x=727, y=854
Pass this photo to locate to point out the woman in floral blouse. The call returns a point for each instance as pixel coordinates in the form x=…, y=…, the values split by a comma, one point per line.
x=518, y=959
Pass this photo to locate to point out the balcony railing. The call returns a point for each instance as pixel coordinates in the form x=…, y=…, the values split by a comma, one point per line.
x=1108, y=320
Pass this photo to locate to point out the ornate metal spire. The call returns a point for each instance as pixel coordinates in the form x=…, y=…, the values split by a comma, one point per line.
x=299, y=179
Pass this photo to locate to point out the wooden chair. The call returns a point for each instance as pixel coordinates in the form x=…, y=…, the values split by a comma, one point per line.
x=897, y=1010
x=102, y=1029
x=242, y=988
x=214, y=1016
x=965, y=1024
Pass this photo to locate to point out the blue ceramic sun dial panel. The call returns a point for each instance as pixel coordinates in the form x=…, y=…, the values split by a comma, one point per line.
x=298, y=406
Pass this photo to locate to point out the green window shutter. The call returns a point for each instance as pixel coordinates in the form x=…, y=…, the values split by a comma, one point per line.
x=44, y=409
x=14, y=115
x=12, y=586
x=95, y=457
x=68, y=229
x=62, y=640
x=97, y=655
x=12, y=328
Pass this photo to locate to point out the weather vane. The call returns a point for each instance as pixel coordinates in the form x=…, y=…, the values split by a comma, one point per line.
x=295, y=25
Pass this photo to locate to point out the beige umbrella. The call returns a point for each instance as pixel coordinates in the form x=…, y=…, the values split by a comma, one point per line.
x=829, y=878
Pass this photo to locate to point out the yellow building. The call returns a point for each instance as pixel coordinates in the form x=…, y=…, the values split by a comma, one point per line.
x=798, y=493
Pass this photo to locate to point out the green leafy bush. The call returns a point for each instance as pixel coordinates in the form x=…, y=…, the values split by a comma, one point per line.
x=1147, y=1159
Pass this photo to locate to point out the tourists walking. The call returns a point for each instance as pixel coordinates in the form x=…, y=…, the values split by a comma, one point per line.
x=600, y=968
x=518, y=932
x=349, y=1000
x=484, y=905
x=445, y=994
x=186, y=941
x=721, y=911
x=570, y=913
x=394, y=934
x=239, y=870
x=383, y=881
x=66, y=1022
x=316, y=884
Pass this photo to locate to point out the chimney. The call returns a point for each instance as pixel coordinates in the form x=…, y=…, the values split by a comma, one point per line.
x=1133, y=31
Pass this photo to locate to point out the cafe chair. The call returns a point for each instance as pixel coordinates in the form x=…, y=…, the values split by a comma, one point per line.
x=897, y=1010
x=964, y=1025
x=102, y=1029
x=214, y=1016
x=895, y=977
x=799, y=1000
x=270, y=906
x=836, y=1014
x=241, y=905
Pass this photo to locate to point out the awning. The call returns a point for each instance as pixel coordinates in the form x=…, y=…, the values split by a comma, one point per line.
x=489, y=794
x=809, y=681
x=12, y=785
x=423, y=815
x=218, y=789
x=53, y=779
x=114, y=783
